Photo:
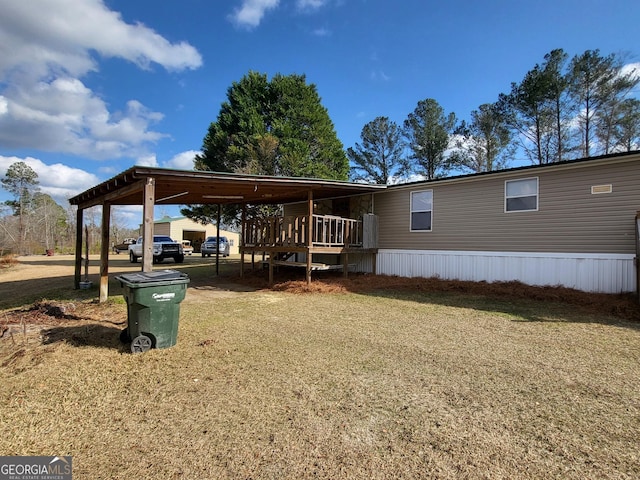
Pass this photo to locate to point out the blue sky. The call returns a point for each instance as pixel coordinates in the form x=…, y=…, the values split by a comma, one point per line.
x=89, y=88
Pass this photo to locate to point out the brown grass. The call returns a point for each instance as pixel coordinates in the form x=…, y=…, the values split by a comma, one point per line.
x=624, y=306
x=378, y=378
x=7, y=261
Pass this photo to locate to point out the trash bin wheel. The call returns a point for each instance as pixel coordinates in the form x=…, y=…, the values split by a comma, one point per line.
x=140, y=344
x=124, y=335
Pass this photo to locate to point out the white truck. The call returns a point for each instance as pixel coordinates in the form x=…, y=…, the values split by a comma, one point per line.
x=163, y=247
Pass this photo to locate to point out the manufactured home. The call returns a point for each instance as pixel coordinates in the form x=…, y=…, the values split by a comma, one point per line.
x=572, y=224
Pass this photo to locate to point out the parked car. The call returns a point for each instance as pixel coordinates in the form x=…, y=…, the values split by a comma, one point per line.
x=124, y=246
x=211, y=246
x=186, y=247
x=163, y=247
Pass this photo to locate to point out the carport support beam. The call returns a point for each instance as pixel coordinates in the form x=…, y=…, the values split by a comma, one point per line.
x=104, y=253
x=147, y=227
x=242, y=236
x=78, y=269
x=218, y=238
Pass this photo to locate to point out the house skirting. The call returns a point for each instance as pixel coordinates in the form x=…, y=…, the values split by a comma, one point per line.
x=589, y=272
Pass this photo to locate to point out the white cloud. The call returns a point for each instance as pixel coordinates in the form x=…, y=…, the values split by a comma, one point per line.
x=65, y=116
x=310, y=4
x=58, y=180
x=379, y=75
x=44, y=104
x=147, y=161
x=322, y=32
x=182, y=161
x=71, y=30
x=251, y=12
x=109, y=170
x=128, y=216
x=632, y=69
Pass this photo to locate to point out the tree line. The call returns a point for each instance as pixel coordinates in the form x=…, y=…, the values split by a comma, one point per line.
x=34, y=223
x=562, y=109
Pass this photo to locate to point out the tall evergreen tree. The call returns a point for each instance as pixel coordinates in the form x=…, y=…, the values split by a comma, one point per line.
x=277, y=127
x=598, y=85
x=48, y=222
x=379, y=157
x=626, y=135
x=484, y=145
x=557, y=99
x=21, y=181
x=428, y=131
x=530, y=116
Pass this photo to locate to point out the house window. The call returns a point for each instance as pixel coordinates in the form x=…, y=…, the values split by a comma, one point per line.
x=521, y=195
x=421, y=210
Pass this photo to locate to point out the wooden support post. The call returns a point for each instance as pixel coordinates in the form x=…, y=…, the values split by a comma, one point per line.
x=147, y=228
x=78, y=269
x=309, y=235
x=243, y=232
x=218, y=240
x=104, y=253
x=270, y=269
x=345, y=265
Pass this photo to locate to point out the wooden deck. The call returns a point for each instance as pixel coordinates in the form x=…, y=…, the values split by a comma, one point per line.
x=281, y=238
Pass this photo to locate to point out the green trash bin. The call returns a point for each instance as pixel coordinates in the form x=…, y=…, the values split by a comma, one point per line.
x=153, y=308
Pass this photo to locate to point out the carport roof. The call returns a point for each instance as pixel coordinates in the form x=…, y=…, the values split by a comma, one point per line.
x=196, y=187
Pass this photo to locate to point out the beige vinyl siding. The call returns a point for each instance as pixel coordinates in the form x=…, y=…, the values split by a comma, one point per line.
x=296, y=209
x=469, y=213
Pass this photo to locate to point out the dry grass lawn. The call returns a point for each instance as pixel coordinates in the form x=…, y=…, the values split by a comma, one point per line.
x=366, y=378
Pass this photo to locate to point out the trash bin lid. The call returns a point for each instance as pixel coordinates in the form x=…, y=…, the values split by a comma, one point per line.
x=154, y=276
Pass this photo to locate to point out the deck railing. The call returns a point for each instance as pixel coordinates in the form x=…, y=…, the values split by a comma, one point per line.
x=292, y=231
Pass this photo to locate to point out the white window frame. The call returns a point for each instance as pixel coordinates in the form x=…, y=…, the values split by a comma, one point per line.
x=537, y=195
x=411, y=211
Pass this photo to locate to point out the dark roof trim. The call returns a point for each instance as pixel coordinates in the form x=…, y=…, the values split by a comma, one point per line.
x=132, y=180
x=625, y=156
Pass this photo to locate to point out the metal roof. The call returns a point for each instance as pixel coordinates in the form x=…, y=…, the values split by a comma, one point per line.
x=186, y=187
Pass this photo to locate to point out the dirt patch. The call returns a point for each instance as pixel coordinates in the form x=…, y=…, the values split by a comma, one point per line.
x=205, y=293
x=47, y=314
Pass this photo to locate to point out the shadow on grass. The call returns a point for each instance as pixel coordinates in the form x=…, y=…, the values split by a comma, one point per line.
x=88, y=335
x=523, y=303
x=58, y=286
x=552, y=310
x=518, y=309
x=30, y=291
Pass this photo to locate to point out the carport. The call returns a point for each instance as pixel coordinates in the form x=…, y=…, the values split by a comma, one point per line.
x=149, y=186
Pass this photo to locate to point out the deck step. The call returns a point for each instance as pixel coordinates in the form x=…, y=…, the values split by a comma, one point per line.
x=314, y=265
